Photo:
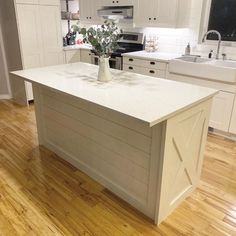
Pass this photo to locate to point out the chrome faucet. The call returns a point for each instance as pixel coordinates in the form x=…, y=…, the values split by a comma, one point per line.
x=219, y=40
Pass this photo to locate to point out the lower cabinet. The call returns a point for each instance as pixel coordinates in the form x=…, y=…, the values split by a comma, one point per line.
x=145, y=67
x=232, y=127
x=85, y=56
x=221, y=111
x=72, y=56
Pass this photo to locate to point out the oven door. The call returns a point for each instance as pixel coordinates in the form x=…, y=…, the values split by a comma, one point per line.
x=115, y=63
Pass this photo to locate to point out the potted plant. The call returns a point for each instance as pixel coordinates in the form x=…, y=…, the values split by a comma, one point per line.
x=104, y=40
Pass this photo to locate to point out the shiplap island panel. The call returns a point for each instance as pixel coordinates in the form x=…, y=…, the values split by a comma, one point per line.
x=141, y=137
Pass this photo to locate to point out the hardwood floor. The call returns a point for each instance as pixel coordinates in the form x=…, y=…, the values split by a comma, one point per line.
x=40, y=194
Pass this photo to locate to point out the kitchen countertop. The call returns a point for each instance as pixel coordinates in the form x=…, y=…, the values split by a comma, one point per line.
x=77, y=47
x=157, y=56
x=145, y=98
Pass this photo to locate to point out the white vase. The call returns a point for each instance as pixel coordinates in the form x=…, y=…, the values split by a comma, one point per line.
x=104, y=73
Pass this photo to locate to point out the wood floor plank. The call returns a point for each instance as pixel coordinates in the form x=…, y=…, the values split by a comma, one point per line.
x=41, y=194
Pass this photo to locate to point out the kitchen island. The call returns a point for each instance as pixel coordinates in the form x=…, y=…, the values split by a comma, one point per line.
x=143, y=138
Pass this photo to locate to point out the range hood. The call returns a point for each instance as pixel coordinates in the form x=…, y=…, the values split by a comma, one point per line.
x=124, y=12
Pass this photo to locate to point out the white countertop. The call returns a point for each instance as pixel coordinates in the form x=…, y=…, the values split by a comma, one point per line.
x=145, y=98
x=157, y=56
x=77, y=47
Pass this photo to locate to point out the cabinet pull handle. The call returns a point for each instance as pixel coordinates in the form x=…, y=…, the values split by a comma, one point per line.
x=152, y=72
x=152, y=63
x=131, y=68
x=131, y=59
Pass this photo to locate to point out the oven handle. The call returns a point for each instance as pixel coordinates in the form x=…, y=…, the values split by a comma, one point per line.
x=112, y=59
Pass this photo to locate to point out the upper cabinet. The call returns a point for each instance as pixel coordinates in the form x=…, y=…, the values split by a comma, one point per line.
x=88, y=11
x=162, y=13
x=109, y=3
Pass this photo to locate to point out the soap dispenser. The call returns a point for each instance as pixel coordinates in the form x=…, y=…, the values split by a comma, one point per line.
x=188, y=49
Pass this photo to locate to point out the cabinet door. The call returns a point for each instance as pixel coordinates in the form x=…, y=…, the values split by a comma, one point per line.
x=88, y=11
x=84, y=10
x=30, y=37
x=51, y=35
x=221, y=111
x=166, y=13
x=143, y=15
x=72, y=56
x=232, y=128
x=85, y=56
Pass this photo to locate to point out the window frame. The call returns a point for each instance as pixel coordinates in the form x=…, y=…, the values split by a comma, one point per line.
x=206, y=7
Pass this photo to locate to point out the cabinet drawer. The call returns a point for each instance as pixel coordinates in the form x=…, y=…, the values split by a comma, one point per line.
x=145, y=63
x=144, y=71
x=152, y=72
x=131, y=68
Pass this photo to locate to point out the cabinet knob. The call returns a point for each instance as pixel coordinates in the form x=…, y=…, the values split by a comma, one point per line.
x=90, y=17
x=117, y=1
x=131, y=68
x=152, y=63
x=113, y=1
x=149, y=18
x=155, y=18
x=152, y=72
x=131, y=59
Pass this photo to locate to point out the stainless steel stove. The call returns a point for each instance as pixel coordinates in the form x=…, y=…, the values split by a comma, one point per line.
x=129, y=42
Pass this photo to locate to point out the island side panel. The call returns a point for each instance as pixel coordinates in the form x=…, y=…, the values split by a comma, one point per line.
x=112, y=148
x=185, y=141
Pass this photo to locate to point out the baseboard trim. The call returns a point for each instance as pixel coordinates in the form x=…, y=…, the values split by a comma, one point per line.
x=5, y=96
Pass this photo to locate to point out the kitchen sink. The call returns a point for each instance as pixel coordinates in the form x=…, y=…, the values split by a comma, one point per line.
x=218, y=70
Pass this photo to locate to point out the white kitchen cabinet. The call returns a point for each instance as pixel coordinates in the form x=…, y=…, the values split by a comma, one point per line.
x=221, y=111
x=72, y=56
x=117, y=2
x=88, y=11
x=51, y=36
x=85, y=56
x=145, y=67
x=162, y=13
x=40, y=37
x=232, y=127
